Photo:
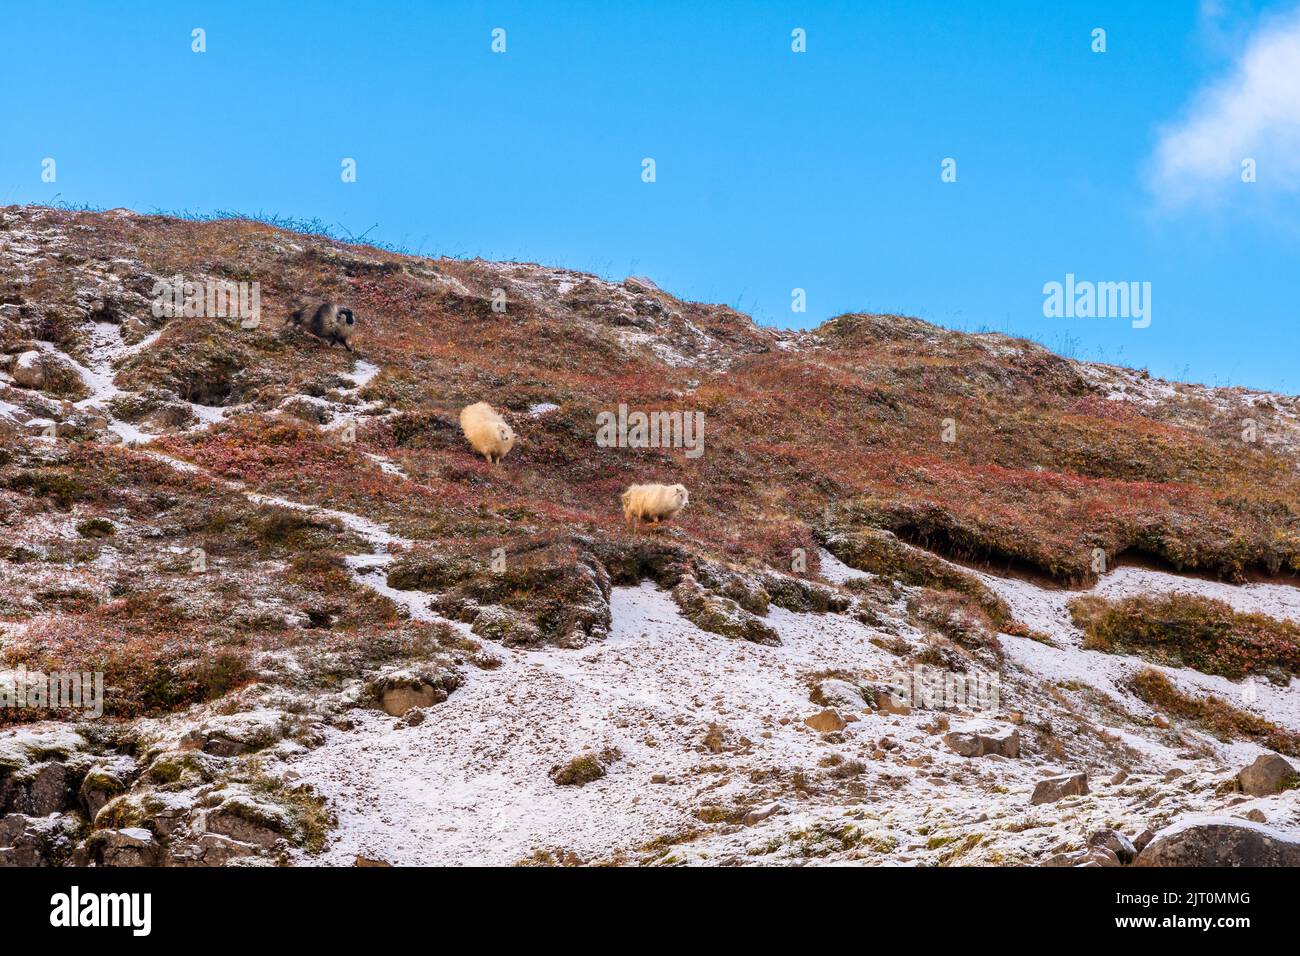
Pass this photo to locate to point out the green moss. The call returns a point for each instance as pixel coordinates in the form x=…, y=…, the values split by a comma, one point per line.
x=95, y=528
x=579, y=771
x=45, y=483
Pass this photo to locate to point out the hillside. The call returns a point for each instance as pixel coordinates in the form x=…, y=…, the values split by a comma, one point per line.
x=310, y=600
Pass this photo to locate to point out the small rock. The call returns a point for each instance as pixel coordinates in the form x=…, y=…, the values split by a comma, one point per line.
x=1255, y=815
x=366, y=861
x=1120, y=777
x=1174, y=773
x=1102, y=856
x=1058, y=788
x=979, y=744
x=826, y=721
x=1161, y=721
x=1115, y=842
x=29, y=371
x=887, y=703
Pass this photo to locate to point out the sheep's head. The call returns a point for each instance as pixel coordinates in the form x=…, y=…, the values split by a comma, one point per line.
x=346, y=322
x=680, y=495
x=506, y=434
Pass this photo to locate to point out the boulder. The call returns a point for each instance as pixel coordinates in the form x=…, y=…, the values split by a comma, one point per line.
x=826, y=721
x=1116, y=842
x=1004, y=743
x=29, y=370
x=1058, y=788
x=839, y=693
x=1269, y=774
x=103, y=782
x=891, y=704
x=1220, y=841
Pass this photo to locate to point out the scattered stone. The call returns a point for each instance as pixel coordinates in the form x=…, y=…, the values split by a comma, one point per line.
x=1255, y=815
x=1173, y=773
x=1269, y=774
x=366, y=861
x=240, y=815
x=1161, y=721
x=1058, y=788
x=1120, y=777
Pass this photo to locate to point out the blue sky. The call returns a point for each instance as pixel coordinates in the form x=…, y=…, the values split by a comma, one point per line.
x=775, y=170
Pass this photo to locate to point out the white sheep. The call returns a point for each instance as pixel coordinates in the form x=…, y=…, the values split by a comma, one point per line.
x=653, y=502
x=486, y=431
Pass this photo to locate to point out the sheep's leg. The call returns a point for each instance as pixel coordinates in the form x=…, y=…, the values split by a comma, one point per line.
x=346, y=346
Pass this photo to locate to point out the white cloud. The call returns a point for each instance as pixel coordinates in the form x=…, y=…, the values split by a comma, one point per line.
x=1251, y=113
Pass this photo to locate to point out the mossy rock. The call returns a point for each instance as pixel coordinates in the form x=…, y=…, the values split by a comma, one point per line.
x=720, y=615
x=506, y=626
